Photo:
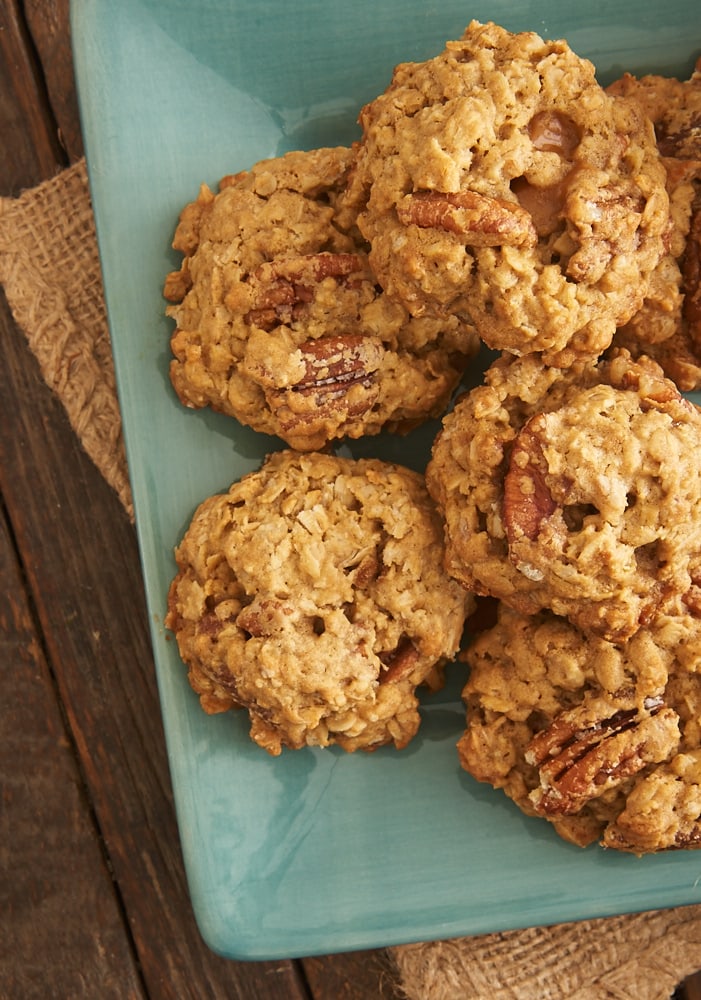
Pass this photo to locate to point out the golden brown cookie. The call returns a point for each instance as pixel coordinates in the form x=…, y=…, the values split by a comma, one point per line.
x=668, y=325
x=601, y=740
x=499, y=180
x=577, y=490
x=280, y=322
x=313, y=595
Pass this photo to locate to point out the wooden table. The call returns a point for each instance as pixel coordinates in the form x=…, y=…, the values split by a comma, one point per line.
x=94, y=901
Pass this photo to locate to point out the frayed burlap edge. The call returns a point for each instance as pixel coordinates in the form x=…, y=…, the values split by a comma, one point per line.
x=50, y=271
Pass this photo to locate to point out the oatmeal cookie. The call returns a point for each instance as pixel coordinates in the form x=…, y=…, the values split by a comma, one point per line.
x=279, y=319
x=313, y=595
x=668, y=325
x=498, y=179
x=602, y=740
x=577, y=490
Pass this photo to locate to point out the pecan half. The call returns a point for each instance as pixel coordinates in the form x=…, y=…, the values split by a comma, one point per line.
x=333, y=364
x=311, y=268
x=481, y=220
x=589, y=749
x=339, y=382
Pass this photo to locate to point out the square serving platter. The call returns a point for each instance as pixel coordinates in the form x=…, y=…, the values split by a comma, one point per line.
x=316, y=851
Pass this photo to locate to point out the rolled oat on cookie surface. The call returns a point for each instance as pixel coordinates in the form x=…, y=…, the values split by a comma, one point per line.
x=498, y=180
x=313, y=594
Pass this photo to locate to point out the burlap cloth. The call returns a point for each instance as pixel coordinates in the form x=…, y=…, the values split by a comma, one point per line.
x=51, y=275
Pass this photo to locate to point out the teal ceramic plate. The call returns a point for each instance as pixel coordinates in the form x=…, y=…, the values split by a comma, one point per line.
x=315, y=851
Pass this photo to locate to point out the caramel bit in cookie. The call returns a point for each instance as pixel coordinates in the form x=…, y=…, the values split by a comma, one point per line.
x=554, y=132
x=586, y=750
x=481, y=220
x=544, y=204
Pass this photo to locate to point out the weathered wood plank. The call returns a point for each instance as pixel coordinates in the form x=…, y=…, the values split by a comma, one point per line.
x=49, y=24
x=60, y=920
x=30, y=147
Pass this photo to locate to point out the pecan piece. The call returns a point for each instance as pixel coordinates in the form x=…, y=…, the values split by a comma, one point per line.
x=589, y=749
x=264, y=617
x=312, y=268
x=691, y=276
x=280, y=285
x=400, y=663
x=527, y=499
x=685, y=143
x=608, y=223
x=481, y=220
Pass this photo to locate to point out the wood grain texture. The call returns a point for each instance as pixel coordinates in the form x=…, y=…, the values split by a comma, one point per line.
x=60, y=920
x=48, y=22
x=31, y=150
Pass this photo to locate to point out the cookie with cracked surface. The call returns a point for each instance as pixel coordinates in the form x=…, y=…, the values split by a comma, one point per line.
x=668, y=325
x=577, y=490
x=312, y=594
x=279, y=319
x=498, y=179
x=601, y=740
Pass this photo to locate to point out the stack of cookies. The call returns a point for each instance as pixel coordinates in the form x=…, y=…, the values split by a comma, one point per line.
x=498, y=196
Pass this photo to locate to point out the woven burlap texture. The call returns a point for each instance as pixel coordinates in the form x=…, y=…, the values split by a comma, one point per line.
x=50, y=271
x=639, y=957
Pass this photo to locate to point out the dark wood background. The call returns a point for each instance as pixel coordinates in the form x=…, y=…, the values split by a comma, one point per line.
x=93, y=900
